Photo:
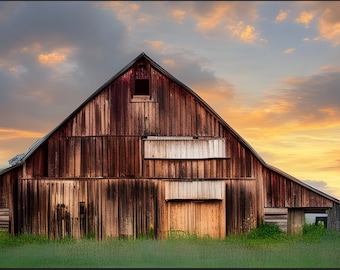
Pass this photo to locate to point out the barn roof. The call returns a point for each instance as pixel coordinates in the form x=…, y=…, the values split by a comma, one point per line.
x=199, y=99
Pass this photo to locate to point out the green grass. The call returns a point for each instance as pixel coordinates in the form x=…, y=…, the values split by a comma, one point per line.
x=264, y=247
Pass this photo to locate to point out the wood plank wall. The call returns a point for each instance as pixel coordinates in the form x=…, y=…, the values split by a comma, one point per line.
x=104, y=138
x=283, y=192
x=118, y=208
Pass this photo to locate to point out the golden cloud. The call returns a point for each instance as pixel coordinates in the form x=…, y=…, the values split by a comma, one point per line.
x=281, y=16
x=53, y=58
x=8, y=134
x=246, y=33
x=305, y=18
x=219, y=15
x=216, y=17
x=328, y=19
x=329, y=23
x=125, y=11
x=56, y=57
x=178, y=15
x=330, y=31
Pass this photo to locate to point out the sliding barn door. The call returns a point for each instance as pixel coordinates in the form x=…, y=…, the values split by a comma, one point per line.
x=195, y=217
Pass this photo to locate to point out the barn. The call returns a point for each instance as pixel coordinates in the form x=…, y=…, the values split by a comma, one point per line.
x=145, y=155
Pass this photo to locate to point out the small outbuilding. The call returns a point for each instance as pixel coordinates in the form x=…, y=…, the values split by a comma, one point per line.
x=145, y=155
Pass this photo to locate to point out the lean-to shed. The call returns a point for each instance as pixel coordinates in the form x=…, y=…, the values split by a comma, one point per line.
x=145, y=155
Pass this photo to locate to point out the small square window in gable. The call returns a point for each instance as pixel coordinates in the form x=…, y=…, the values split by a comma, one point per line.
x=141, y=91
x=142, y=87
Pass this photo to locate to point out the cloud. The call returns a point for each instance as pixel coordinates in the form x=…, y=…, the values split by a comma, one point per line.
x=178, y=15
x=156, y=44
x=246, y=33
x=327, y=15
x=281, y=16
x=170, y=63
x=290, y=50
x=22, y=140
x=199, y=76
x=305, y=18
x=122, y=9
x=323, y=186
x=211, y=18
x=303, y=103
x=74, y=41
x=330, y=68
x=55, y=57
x=9, y=134
x=330, y=28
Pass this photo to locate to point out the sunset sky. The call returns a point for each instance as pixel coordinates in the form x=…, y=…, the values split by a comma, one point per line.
x=270, y=69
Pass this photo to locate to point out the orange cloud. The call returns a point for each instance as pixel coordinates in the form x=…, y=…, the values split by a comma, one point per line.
x=155, y=44
x=124, y=10
x=290, y=50
x=178, y=15
x=305, y=18
x=246, y=33
x=9, y=134
x=330, y=31
x=329, y=21
x=281, y=16
x=57, y=56
x=216, y=17
x=212, y=18
x=53, y=58
x=121, y=8
x=282, y=140
x=328, y=18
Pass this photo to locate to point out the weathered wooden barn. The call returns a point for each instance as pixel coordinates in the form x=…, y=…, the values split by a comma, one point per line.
x=145, y=155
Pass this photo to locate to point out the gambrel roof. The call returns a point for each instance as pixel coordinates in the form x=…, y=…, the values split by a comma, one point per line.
x=199, y=99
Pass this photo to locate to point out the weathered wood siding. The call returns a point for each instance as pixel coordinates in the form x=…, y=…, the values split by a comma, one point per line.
x=94, y=173
x=283, y=192
x=104, y=137
x=118, y=208
x=277, y=216
x=4, y=218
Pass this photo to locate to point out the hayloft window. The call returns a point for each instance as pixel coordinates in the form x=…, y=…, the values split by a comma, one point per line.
x=142, y=87
x=142, y=84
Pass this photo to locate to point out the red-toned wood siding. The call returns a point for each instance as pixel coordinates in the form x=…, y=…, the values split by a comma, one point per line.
x=106, y=207
x=103, y=139
x=283, y=192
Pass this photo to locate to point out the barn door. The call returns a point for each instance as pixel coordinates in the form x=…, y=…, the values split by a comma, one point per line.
x=195, y=217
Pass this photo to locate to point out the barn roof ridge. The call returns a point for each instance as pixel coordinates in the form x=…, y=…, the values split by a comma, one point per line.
x=204, y=103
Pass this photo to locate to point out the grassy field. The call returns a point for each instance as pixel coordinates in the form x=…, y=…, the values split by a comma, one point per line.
x=264, y=247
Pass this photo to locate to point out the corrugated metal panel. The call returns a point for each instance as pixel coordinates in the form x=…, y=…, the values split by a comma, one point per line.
x=195, y=190
x=184, y=148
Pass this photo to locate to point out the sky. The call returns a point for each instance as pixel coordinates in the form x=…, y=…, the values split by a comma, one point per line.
x=270, y=69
